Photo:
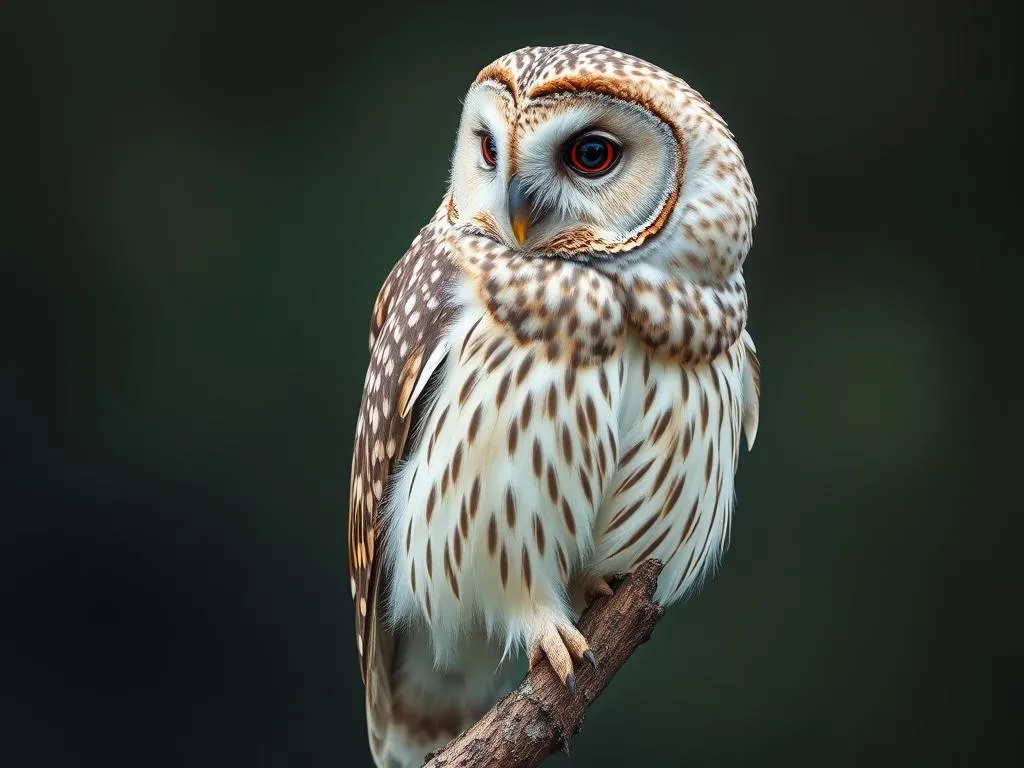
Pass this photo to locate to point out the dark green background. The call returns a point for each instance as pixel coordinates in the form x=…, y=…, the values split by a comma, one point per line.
x=210, y=194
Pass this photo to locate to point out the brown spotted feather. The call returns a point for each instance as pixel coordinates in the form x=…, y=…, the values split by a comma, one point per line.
x=409, y=319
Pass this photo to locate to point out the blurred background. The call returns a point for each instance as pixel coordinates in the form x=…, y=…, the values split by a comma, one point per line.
x=209, y=193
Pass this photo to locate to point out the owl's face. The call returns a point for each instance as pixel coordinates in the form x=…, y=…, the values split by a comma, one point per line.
x=563, y=173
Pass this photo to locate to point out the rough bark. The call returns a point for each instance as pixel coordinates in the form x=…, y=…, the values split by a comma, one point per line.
x=539, y=717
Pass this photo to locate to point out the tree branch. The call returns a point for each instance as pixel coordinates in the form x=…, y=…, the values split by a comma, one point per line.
x=539, y=717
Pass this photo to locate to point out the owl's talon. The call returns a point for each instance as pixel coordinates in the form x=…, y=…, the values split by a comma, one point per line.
x=536, y=654
x=561, y=643
x=595, y=588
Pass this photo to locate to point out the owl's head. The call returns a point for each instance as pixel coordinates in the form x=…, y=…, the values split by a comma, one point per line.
x=585, y=153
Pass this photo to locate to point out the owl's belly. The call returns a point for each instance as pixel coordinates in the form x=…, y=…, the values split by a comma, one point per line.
x=495, y=506
x=672, y=494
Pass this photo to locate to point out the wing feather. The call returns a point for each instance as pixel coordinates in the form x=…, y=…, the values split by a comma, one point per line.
x=751, y=390
x=407, y=332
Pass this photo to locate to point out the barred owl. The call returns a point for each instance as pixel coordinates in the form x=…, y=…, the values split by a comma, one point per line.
x=559, y=375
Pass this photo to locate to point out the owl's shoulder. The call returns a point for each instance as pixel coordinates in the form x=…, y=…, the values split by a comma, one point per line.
x=415, y=288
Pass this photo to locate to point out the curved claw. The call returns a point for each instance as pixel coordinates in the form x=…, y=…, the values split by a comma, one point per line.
x=561, y=642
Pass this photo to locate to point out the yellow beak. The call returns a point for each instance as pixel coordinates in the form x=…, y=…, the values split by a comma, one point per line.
x=518, y=210
x=520, y=227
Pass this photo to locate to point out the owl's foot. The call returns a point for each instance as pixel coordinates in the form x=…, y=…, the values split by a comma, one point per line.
x=561, y=642
x=596, y=587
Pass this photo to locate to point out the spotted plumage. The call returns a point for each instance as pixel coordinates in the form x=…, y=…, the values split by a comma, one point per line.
x=559, y=376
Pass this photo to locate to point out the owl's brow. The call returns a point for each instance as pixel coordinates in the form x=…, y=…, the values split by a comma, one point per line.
x=600, y=86
x=501, y=77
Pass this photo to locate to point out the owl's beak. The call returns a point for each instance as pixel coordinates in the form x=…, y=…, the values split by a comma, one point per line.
x=519, y=209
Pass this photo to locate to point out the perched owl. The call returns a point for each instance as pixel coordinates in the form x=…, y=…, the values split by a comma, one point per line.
x=559, y=375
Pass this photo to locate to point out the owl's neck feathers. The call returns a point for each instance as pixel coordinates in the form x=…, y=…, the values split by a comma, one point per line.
x=683, y=319
x=580, y=311
x=566, y=309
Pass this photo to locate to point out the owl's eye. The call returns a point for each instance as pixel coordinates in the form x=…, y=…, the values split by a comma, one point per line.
x=489, y=150
x=593, y=154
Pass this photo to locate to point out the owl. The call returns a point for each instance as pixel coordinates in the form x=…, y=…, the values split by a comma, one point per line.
x=559, y=376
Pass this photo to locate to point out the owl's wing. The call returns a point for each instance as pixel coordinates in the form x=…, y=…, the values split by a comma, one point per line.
x=751, y=395
x=407, y=343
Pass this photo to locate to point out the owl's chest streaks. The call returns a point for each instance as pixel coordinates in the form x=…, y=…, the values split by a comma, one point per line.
x=494, y=509
x=672, y=494
x=572, y=431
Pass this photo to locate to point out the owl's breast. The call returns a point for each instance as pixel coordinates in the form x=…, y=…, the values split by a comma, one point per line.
x=672, y=494
x=493, y=509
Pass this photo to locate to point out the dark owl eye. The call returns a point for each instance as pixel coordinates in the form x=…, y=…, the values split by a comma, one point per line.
x=593, y=154
x=489, y=150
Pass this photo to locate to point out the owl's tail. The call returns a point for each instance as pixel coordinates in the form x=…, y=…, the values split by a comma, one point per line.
x=426, y=707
